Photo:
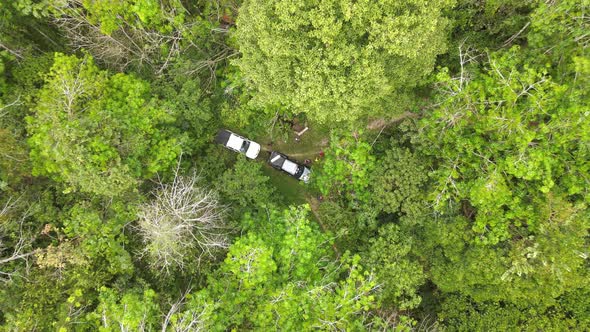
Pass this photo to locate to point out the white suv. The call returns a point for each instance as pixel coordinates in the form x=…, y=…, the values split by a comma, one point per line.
x=238, y=143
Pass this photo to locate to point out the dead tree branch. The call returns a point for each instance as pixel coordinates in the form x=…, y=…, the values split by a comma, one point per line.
x=17, y=252
x=189, y=320
x=182, y=219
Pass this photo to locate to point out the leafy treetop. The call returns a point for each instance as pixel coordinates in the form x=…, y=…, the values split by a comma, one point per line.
x=339, y=59
x=95, y=132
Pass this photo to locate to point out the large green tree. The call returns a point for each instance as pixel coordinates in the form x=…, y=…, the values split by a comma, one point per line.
x=337, y=60
x=281, y=275
x=95, y=132
x=510, y=142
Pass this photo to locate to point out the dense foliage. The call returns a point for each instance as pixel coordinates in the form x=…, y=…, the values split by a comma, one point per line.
x=338, y=60
x=449, y=143
x=95, y=132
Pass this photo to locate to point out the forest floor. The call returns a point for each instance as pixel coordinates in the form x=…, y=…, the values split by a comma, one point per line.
x=309, y=146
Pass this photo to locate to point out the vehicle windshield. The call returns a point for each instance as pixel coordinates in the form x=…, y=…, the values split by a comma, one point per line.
x=245, y=146
x=299, y=172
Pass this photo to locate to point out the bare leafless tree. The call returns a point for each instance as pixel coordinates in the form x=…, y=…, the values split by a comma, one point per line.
x=183, y=222
x=18, y=53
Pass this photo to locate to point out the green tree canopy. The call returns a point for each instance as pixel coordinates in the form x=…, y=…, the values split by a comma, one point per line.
x=507, y=140
x=246, y=186
x=338, y=60
x=400, y=275
x=346, y=168
x=531, y=269
x=127, y=310
x=95, y=132
x=398, y=182
x=284, y=277
x=511, y=149
x=462, y=314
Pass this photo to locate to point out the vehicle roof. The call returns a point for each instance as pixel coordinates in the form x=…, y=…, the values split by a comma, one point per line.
x=253, y=150
x=305, y=175
x=290, y=167
x=235, y=142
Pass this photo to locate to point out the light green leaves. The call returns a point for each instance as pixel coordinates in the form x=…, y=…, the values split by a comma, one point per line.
x=97, y=133
x=337, y=60
x=505, y=137
x=112, y=15
x=283, y=277
x=250, y=261
x=346, y=169
x=133, y=310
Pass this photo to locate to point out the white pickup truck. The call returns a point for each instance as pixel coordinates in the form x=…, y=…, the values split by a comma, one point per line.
x=237, y=143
